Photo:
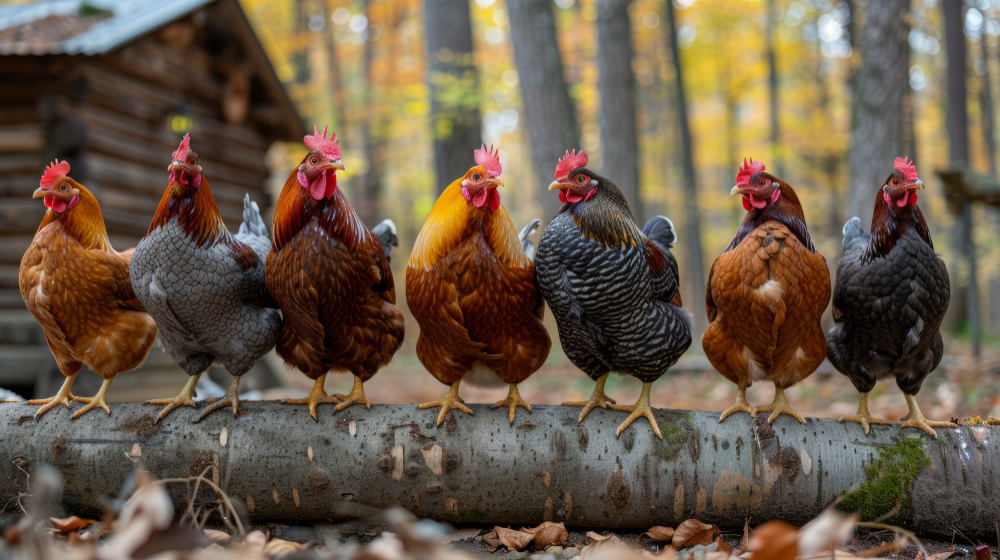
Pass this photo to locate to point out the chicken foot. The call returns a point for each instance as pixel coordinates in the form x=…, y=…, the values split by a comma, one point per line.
x=64, y=396
x=640, y=408
x=863, y=417
x=99, y=400
x=316, y=397
x=356, y=396
x=232, y=397
x=741, y=405
x=597, y=398
x=451, y=400
x=184, y=398
x=780, y=406
x=915, y=419
x=513, y=400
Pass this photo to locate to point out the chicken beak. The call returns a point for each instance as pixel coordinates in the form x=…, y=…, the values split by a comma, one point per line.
x=336, y=164
x=916, y=184
x=737, y=190
x=39, y=193
x=557, y=185
x=496, y=181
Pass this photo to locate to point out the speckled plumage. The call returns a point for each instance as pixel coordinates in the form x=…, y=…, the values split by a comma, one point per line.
x=611, y=289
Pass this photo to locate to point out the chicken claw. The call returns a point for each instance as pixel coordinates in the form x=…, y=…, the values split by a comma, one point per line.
x=357, y=396
x=316, y=397
x=915, y=419
x=741, y=405
x=640, y=408
x=513, y=400
x=597, y=398
x=780, y=406
x=184, y=398
x=232, y=397
x=451, y=400
x=99, y=400
x=64, y=396
x=863, y=417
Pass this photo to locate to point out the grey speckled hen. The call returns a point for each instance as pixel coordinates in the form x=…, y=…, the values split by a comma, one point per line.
x=891, y=295
x=611, y=287
x=204, y=286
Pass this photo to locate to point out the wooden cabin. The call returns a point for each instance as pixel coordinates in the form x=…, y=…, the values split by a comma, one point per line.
x=111, y=86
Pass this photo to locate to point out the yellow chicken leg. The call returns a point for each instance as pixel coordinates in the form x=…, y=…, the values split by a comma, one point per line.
x=99, y=400
x=64, y=396
x=184, y=398
x=357, y=396
x=597, y=398
x=513, y=400
x=863, y=417
x=741, y=405
x=451, y=400
x=915, y=419
x=316, y=397
x=640, y=408
x=780, y=406
x=232, y=397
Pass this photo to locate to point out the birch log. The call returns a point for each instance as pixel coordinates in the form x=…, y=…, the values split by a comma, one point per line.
x=481, y=469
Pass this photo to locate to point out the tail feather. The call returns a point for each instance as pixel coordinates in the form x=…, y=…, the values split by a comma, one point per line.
x=252, y=224
x=386, y=234
x=526, y=231
x=852, y=231
x=660, y=230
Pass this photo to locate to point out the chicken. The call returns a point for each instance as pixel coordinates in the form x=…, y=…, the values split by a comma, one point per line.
x=766, y=295
x=202, y=285
x=891, y=295
x=78, y=288
x=330, y=276
x=471, y=286
x=611, y=287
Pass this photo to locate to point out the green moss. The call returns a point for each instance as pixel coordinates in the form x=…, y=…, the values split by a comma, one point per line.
x=675, y=425
x=889, y=479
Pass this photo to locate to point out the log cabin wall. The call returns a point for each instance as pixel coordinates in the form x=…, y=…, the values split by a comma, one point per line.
x=111, y=117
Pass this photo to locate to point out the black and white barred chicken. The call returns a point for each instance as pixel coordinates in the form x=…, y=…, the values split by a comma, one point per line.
x=612, y=288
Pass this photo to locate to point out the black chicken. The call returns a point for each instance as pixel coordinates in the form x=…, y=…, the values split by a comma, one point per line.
x=611, y=287
x=891, y=294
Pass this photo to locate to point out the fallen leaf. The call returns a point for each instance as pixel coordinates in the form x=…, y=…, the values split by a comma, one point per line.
x=658, y=533
x=256, y=539
x=745, y=541
x=548, y=534
x=693, y=532
x=598, y=538
x=217, y=536
x=829, y=529
x=71, y=523
x=667, y=553
x=775, y=540
x=514, y=539
x=607, y=548
x=941, y=555
x=276, y=548
x=721, y=546
x=491, y=539
x=983, y=551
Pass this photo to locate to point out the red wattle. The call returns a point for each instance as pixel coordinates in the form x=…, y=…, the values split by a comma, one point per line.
x=318, y=187
x=331, y=184
x=746, y=203
x=494, y=200
x=480, y=199
x=913, y=197
x=758, y=204
x=562, y=196
x=888, y=199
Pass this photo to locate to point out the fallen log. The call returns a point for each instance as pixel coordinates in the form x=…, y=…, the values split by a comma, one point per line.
x=480, y=469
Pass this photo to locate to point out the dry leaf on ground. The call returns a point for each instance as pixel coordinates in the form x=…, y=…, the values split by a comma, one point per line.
x=548, y=534
x=983, y=551
x=721, y=546
x=830, y=529
x=775, y=540
x=745, y=540
x=951, y=551
x=491, y=539
x=606, y=548
x=256, y=539
x=693, y=532
x=513, y=539
x=217, y=536
x=658, y=533
x=71, y=523
x=279, y=547
x=599, y=538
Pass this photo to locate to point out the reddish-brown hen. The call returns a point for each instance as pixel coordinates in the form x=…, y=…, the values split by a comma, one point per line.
x=78, y=288
x=471, y=287
x=766, y=294
x=330, y=276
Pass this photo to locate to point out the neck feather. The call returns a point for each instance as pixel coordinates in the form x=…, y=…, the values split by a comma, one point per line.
x=787, y=210
x=84, y=221
x=889, y=223
x=195, y=210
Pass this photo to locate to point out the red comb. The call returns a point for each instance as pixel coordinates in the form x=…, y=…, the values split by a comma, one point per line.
x=183, y=150
x=490, y=159
x=570, y=161
x=907, y=168
x=320, y=143
x=55, y=170
x=747, y=170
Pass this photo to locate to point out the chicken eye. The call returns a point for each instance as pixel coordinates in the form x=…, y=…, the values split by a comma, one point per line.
x=761, y=182
x=476, y=176
x=895, y=182
x=313, y=161
x=63, y=187
x=581, y=179
x=192, y=161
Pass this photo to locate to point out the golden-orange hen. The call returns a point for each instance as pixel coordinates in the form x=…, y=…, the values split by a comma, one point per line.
x=471, y=286
x=78, y=288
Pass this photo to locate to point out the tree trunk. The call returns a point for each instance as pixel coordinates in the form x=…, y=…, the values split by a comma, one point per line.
x=958, y=151
x=616, y=85
x=878, y=130
x=692, y=217
x=776, y=162
x=549, y=112
x=990, y=145
x=367, y=200
x=336, y=76
x=454, y=88
x=283, y=465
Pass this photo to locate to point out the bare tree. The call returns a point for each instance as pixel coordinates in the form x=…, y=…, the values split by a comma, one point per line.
x=616, y=85
x=548, y=108
x=958, y=151
x=692, y=217
x=878, y=129
x=336, y=75
x=772, y=90
x=367, y=198
x=454, y=88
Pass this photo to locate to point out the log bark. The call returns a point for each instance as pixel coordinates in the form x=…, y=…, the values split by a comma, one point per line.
x=480, y=469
